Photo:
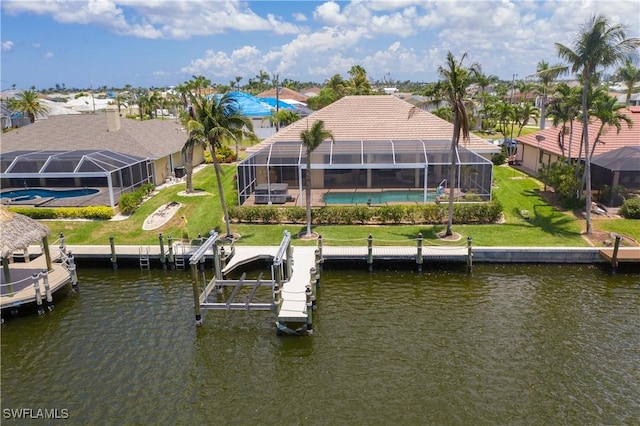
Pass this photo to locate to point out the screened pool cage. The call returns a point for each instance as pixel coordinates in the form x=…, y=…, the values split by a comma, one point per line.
x=408, y=170
x=110, y=172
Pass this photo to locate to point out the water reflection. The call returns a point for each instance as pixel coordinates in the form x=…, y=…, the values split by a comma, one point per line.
x=516, y=344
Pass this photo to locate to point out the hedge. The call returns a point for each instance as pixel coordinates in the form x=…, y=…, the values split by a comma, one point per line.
x=630, y=209
x=93, y=212
x=469, y=213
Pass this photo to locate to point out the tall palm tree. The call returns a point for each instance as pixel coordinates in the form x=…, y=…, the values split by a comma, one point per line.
x=599, y=44
x=546, y=76
x=217, y=121
x=311, y=139
x=630, y=74
x=456, y=79
x=29, y=104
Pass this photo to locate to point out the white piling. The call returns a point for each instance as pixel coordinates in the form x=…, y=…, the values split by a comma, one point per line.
x=36, y=287
x=47, y=291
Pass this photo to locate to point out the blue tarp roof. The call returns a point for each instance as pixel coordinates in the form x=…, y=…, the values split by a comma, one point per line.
x=250, y=105
x=281, y=104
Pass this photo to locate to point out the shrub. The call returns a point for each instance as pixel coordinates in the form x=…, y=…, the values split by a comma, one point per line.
x=630, y=209
x=93, y=212
x=129, y=202
x=295, y=214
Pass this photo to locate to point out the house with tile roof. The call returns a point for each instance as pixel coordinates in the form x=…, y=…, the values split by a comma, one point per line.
x=545, y=147
x=284, y=94
x=382, y=142
x=93, y=150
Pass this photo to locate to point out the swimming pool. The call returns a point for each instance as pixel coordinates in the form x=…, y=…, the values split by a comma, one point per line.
x=376, y=197
x=33, y=193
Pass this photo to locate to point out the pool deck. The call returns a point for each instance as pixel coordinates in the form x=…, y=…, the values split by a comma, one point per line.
x=101, y=198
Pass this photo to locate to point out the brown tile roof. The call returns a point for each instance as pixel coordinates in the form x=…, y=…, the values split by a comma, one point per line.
x=285, y=93
x=612, y=140
x=146, y=139
x=383, y=117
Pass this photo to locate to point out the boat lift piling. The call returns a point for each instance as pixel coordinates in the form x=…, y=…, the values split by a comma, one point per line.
x=469, y=255
x=163, y=259
x=172, y=264
x=614, y=258
x=114, y=258
x=419, y=257
x=194, y=262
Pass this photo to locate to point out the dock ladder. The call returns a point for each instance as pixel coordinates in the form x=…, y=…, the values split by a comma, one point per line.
x=144, y=257
x=179, y=256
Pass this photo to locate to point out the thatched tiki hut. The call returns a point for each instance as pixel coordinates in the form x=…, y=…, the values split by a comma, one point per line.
x=17, y=232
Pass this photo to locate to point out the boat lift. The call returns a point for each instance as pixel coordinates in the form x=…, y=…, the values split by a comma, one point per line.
x=212, y=295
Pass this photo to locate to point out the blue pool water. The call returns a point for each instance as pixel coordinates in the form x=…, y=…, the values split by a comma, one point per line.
x=33, y=193
x=375, y=197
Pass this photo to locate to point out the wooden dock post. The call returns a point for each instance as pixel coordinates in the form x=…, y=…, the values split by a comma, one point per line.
x=114, y=259
x=163, y=259
x=469, y=255
x=36, y=287
x=63, y=246
x=172, y=264
x=308, y=292
x=419, y=258
x=71, y=267
x=614, y=258
x=196, y=294
x=289, y=259
x=47, y=253
x=313, y=283
x=318, y=263
x=320, y=250
x=370, y=252
x=217, y=261
x=47, y=290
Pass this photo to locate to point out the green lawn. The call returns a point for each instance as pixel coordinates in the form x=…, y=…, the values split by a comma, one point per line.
x=546, y=225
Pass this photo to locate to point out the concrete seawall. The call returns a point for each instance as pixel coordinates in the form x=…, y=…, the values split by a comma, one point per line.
x=584, y=255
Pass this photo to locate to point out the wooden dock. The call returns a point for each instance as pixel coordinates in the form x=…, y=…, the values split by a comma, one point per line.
x=22, y=277
x=625, y=254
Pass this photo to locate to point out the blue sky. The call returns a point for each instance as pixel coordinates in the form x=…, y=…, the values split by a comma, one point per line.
x=159, y=43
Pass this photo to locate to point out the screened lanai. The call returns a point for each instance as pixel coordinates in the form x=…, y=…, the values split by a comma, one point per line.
x=418, y=169
x=109, y=172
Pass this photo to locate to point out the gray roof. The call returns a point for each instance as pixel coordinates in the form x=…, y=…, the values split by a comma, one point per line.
x=147, y=139
x=625, y=159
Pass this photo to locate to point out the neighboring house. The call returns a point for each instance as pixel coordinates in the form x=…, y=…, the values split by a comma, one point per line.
x=93, y=150
x=634, y=100
x=544, y=147
x=378, y=146
x=284, y=94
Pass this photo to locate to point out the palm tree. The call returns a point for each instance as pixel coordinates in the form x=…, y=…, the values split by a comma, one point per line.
x=358, y=84
x=219, y=120
x=607, y=109
x=546, y=75
x=456, y=80
x=525, y=113
x=195, y=138
x=311, y=139
x=598, y=44
x=630, y=75
x=29, y=104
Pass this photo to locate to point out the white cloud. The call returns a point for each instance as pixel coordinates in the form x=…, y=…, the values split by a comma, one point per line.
x=36, y=45
x=300, y=17
x=7, y=46
x=176, y=19
x=48, y=55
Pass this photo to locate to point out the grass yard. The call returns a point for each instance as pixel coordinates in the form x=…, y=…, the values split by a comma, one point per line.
x=529, y=220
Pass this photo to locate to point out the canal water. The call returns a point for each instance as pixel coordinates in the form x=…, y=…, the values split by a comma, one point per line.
x=510, y=344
